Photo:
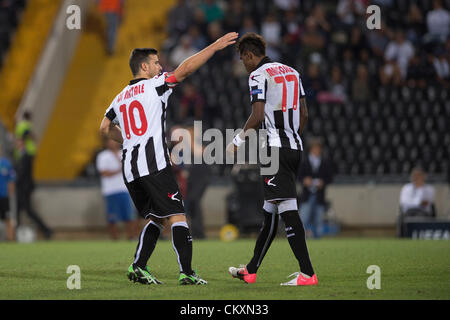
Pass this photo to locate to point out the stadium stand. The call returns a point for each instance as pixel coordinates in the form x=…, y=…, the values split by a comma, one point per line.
x=10, y=12
x=373, y=129
x=92, y=80
x=20, y=49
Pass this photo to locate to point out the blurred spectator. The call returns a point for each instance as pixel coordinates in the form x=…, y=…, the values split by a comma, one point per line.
x=197, y=39
x=215, y=31
x=419, y=72
x=312, y=39
x=211, y=11
x=416, y=199
x=315, y=174
x=179, y=18
x=248, y=25
x=115, y=193
x=200, y=21
x=349, y=10
x=378, y=39
x=358, y=41
x=191, y=104
x=415, y=24
x=441, y=66
x=24, y=130
x=199, y=176
x=348, y=62
x=234, y=16
x=313, y=81
x=417, y=196
x=271, y=32
x=286, y=5
x=400, y=51
x=319, y=16
x=291, y=38
x=112, y=10
x=383, y=3
x=397, y=56
x=25, y=187
x=361, y=88
x=438, y=22
x=182, y=51
x=7, y=180
x=337, y=91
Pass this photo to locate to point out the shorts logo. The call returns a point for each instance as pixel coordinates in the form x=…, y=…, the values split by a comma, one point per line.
x=269, y=182
x=172, y=196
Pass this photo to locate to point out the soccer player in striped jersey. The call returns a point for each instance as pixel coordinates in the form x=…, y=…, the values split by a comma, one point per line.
x=136, y=118
x=278, y=105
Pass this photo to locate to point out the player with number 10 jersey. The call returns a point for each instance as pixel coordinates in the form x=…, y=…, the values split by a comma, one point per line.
x=136, y=118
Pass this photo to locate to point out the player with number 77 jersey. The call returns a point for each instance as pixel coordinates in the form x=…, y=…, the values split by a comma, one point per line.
x=137, y=118
x=278, y=105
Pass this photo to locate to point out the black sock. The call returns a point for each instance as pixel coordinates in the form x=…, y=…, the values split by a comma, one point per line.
x=182, y=244
x=296, y=237
x=147, y=242
x=265, y=238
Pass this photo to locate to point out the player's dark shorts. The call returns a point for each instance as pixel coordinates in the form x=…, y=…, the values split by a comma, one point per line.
x=282, y=185
x=157, y=195
x=4, y=208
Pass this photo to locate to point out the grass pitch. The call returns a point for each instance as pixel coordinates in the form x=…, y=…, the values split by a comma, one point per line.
x=410, y=269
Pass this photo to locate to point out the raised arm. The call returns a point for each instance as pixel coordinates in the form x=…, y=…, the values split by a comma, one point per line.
x=188, y=66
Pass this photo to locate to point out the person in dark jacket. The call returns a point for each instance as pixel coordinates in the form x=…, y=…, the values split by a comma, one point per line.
x=315, y=174
x=25, y=187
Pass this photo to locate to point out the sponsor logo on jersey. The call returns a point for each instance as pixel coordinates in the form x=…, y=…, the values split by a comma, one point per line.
x=256, y=91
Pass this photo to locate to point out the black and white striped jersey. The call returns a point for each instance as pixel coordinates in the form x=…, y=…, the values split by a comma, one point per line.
x=280, y=88
x=140, y=111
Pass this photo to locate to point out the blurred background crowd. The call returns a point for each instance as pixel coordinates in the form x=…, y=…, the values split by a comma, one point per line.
x=376, y=96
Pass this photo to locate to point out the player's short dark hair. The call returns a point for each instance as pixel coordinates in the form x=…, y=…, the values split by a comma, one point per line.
x=138, y=56
x=252, y=42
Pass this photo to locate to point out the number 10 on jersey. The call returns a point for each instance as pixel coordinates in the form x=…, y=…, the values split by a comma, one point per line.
x=130, y=121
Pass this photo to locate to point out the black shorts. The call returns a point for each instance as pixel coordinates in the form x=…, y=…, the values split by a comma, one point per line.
x=157, y=195
x=282, y=185
x=4, y=208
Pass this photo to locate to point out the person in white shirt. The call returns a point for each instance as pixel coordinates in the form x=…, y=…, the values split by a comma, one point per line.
x=117, y=199
x=400, y=52
x=438, y=22
x=417, y=196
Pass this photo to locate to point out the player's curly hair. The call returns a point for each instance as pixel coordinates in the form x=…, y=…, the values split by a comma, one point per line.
x=138, y=56
x=252, y=42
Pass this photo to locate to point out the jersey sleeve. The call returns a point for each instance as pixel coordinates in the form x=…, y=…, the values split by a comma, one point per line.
x=170, y=79
x=110, y=112
x=164, y=83
x=258, y=87
x=301, y=90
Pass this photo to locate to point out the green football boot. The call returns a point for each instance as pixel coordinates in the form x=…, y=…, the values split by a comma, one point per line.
x=140, y=275
x=193, y=279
